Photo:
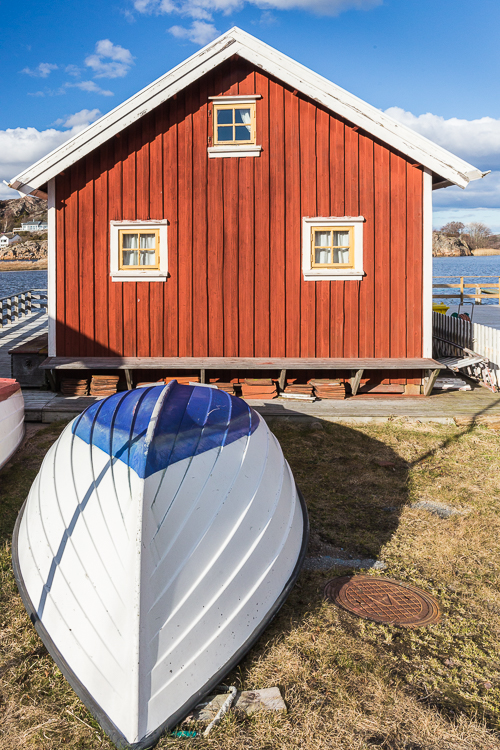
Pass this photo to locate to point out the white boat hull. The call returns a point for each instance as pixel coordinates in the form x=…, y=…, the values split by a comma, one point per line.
x=163, y=532
x=11, y=419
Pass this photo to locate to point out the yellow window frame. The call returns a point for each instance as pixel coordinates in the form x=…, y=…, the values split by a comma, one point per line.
x=246, y=105
x=125, y=267
x=332, y=247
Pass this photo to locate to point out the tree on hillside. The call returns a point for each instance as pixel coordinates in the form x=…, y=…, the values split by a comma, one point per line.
x=453, y=228
x=477, y=234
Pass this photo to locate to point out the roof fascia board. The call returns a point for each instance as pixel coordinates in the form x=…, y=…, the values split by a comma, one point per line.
x=313, y=85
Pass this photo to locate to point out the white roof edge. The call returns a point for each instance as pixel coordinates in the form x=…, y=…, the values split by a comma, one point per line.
x=235, y=41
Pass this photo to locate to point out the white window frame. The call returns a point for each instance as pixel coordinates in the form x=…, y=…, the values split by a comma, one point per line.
x=332, y=274
x=138, y=274
x=238, y=150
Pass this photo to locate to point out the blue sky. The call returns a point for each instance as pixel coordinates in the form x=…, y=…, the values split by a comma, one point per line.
x=433, y=64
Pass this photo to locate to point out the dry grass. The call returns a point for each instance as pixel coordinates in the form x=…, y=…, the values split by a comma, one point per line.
x=24, y=265
x=348, y=683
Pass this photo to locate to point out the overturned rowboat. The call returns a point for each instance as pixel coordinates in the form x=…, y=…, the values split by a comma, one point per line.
x=11, y=418
x=161, y=535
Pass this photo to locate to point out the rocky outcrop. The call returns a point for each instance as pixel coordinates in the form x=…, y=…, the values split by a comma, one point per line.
x=445, y=246
x=17, y=210
x=29, y=250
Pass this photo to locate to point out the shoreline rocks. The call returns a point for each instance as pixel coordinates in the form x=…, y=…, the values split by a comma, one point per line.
x=445, y=246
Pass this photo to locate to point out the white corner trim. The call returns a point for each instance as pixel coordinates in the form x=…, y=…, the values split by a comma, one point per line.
x=238, y=99
x=52, y=266
x=135, y=274
x=221, y=152
x=427, y=265
x=331, y=274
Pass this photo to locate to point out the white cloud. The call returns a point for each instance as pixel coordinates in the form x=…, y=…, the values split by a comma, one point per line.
x=203, y=9
x=200, y=32
x=110, y=60
x=89, y=86
x=476, y=141
x=21, y=147
x=41, y=71
x=73, y=70
x=79, y=119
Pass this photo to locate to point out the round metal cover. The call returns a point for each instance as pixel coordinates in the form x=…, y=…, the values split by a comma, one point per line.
x=383, y=600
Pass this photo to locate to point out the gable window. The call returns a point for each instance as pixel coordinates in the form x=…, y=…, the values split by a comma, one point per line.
x=332, y=248
x=234, y=126
x=138, y=250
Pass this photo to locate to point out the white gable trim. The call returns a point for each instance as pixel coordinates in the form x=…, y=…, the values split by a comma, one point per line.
x=238, y=42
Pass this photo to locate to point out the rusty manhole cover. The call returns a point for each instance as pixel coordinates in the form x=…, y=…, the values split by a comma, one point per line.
x=383, y=600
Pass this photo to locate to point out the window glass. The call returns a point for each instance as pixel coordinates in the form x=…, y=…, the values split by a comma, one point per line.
x=225, y=134
x=341, y=239
x=341, y=255
x=243, y=133
x=242, y=116
x=323, y=239
x=323, y=256
x=148, y=241
x=224, y=116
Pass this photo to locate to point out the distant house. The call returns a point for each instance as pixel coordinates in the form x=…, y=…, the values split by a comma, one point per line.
x=8, y=238
x=34, y=226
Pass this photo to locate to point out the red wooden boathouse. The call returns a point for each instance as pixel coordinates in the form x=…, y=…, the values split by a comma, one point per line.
x=245, y=212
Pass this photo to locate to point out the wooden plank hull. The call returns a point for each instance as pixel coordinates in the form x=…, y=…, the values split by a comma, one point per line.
x=11, y=418
x=162, y=533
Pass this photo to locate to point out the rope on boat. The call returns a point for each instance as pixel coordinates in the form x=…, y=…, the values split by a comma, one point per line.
x=223, y=710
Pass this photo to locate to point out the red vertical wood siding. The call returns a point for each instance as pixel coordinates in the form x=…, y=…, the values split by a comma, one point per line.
x=235, y=285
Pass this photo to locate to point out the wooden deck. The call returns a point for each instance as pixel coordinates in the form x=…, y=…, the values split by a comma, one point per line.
x=442, y=407
x=26, y=329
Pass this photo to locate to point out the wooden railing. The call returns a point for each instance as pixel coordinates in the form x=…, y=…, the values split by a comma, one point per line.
x=478, y=286
x=21, y=304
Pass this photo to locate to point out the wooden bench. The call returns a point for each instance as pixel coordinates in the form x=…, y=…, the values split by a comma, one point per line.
x=357, y=366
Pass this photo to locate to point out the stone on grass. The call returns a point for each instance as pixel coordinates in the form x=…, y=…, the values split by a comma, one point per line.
x=246, y=703
x=438, y=509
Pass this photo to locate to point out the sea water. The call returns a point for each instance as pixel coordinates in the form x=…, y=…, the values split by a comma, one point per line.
x=467, y=265
x=13, y=282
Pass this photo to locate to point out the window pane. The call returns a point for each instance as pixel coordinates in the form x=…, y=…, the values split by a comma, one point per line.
x=322, y=239
x=148, y=257
x=243, y=132
x=341, y=256
x=242, y=116
x=224, y=117
x=225, y=134
x=148, y=241
x=130, y=258
x=340, y=239
x=323, y=256
x=130, y=241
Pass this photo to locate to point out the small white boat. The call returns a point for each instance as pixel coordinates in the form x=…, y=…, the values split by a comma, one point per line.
x=161, y=535
x=11, y=418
